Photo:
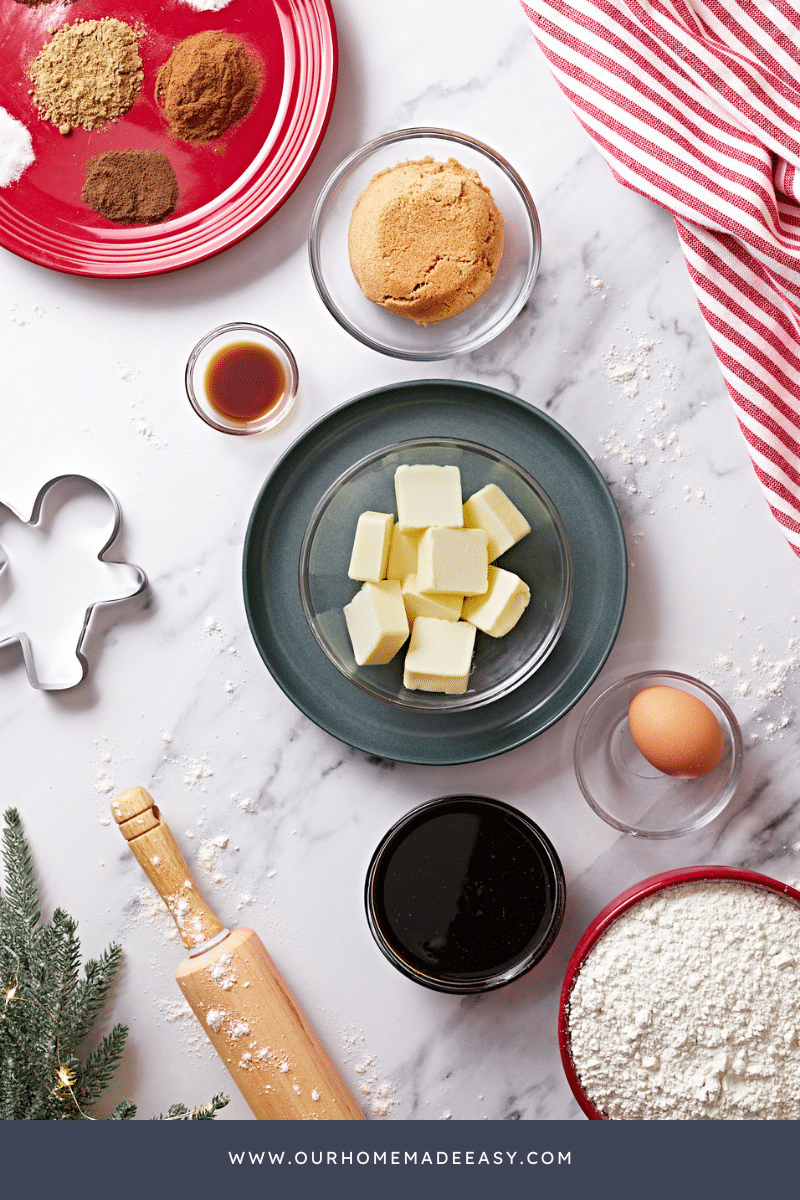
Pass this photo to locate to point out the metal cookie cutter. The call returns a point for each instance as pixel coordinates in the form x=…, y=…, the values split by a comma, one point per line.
x=50, y=586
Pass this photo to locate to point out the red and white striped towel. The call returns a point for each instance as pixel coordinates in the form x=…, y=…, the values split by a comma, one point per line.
x=696, y=105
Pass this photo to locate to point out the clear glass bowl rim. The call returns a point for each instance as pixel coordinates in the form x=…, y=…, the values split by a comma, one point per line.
x=354, y=160
x=457, y=704
x=738, y=755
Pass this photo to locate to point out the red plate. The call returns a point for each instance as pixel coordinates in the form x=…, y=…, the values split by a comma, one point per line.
x=227, y=187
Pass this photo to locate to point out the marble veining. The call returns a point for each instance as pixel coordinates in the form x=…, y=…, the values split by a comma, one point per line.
x=278, y=819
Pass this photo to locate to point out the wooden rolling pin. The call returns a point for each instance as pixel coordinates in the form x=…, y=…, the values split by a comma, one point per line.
x=235, y=989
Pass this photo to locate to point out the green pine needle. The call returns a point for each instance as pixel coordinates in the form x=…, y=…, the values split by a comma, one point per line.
x=47, y=1008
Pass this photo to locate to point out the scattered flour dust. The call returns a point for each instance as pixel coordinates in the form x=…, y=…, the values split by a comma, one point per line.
x=764, y=680
x=375, y=1094
x=196, y=770
x=688, y=1007
x=208, y=855
x=638, y=374
x=192, y=1034
x=150, y=909
x=104, y=783
x=142, y=424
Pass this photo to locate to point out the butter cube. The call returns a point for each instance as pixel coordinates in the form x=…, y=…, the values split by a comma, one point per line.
x=439, y=656
x=453, y=560
x=371, y=546
x=377, y=623
x=501, y=607
x=491, y=509
x=446, y=606
x=428, y=495
x=403, y=553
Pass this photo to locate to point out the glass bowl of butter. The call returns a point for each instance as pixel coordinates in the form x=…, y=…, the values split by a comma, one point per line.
x=436, y=574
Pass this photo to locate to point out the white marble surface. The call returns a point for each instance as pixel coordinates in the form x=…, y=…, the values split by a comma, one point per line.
x=177, y=698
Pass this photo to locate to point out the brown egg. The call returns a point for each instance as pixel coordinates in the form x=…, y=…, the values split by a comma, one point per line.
x=677, y=733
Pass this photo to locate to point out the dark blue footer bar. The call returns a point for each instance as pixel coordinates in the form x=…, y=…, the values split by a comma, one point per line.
x=565, y=1160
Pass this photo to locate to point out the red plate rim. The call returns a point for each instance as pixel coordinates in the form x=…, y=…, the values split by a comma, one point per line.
x=157, y=250
x=605, y=918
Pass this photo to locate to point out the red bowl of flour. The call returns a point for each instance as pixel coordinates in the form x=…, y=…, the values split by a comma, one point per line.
x=605, y=919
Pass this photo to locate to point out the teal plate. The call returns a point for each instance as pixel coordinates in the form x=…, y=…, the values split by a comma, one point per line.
x=434, y=408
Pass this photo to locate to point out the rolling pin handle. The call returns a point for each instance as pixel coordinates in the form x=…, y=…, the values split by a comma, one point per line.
x=159, y=856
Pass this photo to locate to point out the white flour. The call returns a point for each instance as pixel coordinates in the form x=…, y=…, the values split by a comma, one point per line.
x=688, y=1008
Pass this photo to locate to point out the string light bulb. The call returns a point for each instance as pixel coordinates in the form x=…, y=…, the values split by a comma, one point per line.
x=66, y=1076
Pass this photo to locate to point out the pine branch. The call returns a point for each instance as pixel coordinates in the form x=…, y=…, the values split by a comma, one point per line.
x=206, y=1112
x=67, y=967
x=125, y=1111
x=21, y=890
x=96, y=1072
x=47, y=1008
x=91, y=992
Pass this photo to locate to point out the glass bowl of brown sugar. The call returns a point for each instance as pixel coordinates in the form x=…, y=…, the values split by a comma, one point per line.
x=241, y=378
x=377, y=316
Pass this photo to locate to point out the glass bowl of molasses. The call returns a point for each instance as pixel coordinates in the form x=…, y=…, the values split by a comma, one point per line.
x=241, y=378
x=465, y=894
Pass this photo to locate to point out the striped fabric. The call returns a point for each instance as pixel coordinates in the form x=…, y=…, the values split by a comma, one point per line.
x=696, y=105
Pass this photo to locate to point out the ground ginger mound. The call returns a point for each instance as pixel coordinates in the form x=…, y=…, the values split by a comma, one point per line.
x=89, y=74
x=209, y=82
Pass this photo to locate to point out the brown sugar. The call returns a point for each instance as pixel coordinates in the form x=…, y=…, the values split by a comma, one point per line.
x=131, y=187
x=209, y=82
x=425, y=239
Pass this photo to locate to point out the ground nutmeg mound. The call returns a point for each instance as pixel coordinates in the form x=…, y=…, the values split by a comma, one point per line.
x=89, y=74
x=209, y=82
x=131, y=187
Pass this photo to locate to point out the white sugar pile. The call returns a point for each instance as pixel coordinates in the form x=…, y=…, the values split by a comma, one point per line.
x=16, y=148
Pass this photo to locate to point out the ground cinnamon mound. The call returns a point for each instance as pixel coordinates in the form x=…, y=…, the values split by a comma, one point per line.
x=209, y=82
x=131, y=187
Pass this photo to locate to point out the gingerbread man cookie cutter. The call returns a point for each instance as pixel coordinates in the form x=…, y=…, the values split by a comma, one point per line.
x=51, y=584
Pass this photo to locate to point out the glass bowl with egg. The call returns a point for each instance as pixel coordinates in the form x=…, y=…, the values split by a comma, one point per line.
x=658, y=754
x=444, y=238
x=541, y=559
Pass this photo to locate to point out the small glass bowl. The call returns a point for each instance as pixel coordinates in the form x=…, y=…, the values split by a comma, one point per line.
x=621, y=785
x=542, y=558
x=399, y=336
x=230, y=335
x=443, y=872
x=604, y=919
